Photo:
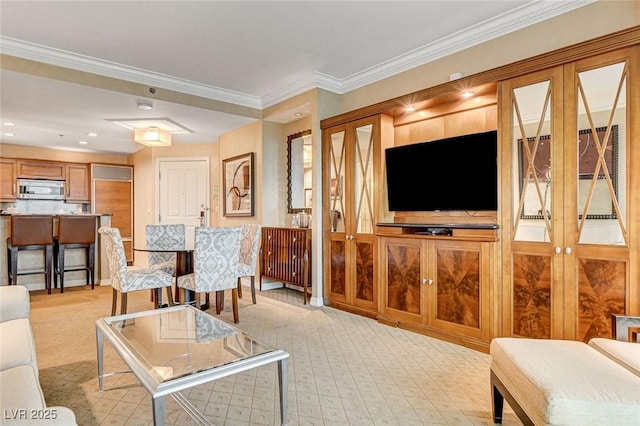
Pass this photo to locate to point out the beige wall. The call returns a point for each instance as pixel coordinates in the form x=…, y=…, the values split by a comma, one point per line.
x=585, y=23
x=241, y=141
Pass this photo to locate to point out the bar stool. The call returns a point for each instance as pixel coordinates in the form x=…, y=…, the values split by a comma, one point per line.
x=30, y=232
x=74, y=232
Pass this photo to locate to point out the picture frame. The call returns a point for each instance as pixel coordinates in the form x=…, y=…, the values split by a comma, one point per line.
x=601, y=206
x=238, y=185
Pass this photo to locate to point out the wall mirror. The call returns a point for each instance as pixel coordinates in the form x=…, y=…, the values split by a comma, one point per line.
x=299, y=157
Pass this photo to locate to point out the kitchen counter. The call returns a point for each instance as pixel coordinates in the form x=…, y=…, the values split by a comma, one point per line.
x=34, y=259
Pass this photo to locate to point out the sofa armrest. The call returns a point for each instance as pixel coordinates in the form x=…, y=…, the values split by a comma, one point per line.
x=625, y=328
x=14, y=302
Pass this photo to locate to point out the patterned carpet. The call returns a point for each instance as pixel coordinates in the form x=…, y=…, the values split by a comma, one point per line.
x=344, y=369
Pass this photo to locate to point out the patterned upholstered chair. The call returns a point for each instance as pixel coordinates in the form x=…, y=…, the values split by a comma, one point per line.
x=164, y=237
x=125, y=280
x=215, y=263
x=249, y=243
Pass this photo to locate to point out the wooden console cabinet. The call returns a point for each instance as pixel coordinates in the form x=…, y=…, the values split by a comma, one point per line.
x=436, y=281
x=285, y=256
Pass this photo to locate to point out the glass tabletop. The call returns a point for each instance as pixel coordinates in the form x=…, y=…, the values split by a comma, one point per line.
x=181, y=341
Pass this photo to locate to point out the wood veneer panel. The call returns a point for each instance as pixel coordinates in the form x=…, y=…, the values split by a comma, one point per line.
x=338, y=268
x=403, y=278
x=458, y=291
x=532, y=296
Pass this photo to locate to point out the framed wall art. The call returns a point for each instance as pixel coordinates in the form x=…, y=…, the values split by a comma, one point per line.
x=237, y=181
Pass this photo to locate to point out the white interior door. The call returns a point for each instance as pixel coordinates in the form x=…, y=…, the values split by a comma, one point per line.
x=184, y=193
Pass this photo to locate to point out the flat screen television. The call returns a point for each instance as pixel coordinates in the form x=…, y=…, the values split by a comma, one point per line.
x=458, y=173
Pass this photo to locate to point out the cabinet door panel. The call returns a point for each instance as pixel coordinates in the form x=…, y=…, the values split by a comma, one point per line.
x=458, y=286
x=403, y=268
x=601, y=292
x=366, y=290
x=531, y=297
x=337, y=270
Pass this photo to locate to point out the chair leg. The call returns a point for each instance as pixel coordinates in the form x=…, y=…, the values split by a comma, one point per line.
x=123, y=303
x=219, y=299
x=240, y=287
x=253, y=289
x=157, y=297
x=56, y=263
x=114, y=302
x=234, y=301
x=60, y=267
x=92, y=264
x=170, y=296
x=13, y=275
x=48, y=270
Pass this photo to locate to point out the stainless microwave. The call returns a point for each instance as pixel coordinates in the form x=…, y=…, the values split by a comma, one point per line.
x=37, y=189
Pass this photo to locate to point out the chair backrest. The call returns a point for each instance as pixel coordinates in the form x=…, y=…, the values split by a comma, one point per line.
x=76, y=229
x=164, y=237
x=115, y=256
x=215, y=259
x=249, y=245
x=31, y=229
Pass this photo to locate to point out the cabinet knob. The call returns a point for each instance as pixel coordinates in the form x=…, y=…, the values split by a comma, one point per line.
x=567, y=250
x=268, y=237
x=295, y=257
x=269, y=253
x=294, y=274
x=427, y=281
x=557, y=250
x=295, y=239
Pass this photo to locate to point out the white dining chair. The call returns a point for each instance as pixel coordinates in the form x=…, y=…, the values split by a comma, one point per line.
x=215, y=265
x=124, y=279
x=249, y=243
x=164, y=237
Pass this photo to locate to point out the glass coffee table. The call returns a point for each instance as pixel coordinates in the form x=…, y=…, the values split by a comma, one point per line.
x=173, y=349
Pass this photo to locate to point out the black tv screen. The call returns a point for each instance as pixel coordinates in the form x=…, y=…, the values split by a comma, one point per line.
x=458, y=173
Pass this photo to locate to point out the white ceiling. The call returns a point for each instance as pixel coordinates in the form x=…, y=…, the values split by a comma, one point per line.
x=252, y=54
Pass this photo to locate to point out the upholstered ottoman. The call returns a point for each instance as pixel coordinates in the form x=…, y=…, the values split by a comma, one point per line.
x=560, y=382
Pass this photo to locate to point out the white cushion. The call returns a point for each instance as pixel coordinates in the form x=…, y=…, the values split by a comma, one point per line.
x=564, y=382
x=14, y=302
x=19, y=388
x=16, y=344
x=626, y=354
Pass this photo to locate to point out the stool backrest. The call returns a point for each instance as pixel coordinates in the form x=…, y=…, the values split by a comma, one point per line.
x=27, y=230
x=76, y=229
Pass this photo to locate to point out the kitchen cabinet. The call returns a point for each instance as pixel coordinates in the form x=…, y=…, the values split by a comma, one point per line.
x=570, y=210
x=437, y=287
x=285, y=256
x=7, y=179
x=353, y=203
x=34, y=169
x=77, y=177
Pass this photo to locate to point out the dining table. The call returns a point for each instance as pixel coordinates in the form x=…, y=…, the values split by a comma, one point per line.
x=184, y=266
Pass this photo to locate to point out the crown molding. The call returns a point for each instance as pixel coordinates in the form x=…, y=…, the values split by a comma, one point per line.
x=62, y=58
x=529, y=14
x=522, y=17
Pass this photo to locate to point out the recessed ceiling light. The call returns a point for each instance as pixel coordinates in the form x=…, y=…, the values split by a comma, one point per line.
x=411, y=108
x=298, y=114
x=467, y=94
x=7, y=123
x=147, y=106
x=9, y=134
x=92, y=135
x=83, y=142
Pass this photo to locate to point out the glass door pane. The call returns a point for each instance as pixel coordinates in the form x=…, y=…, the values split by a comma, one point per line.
x=601, y=155
x=336, y=183
x=534, y=155
x=363, y=168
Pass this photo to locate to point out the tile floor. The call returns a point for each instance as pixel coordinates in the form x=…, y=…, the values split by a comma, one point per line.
x=344, y=369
